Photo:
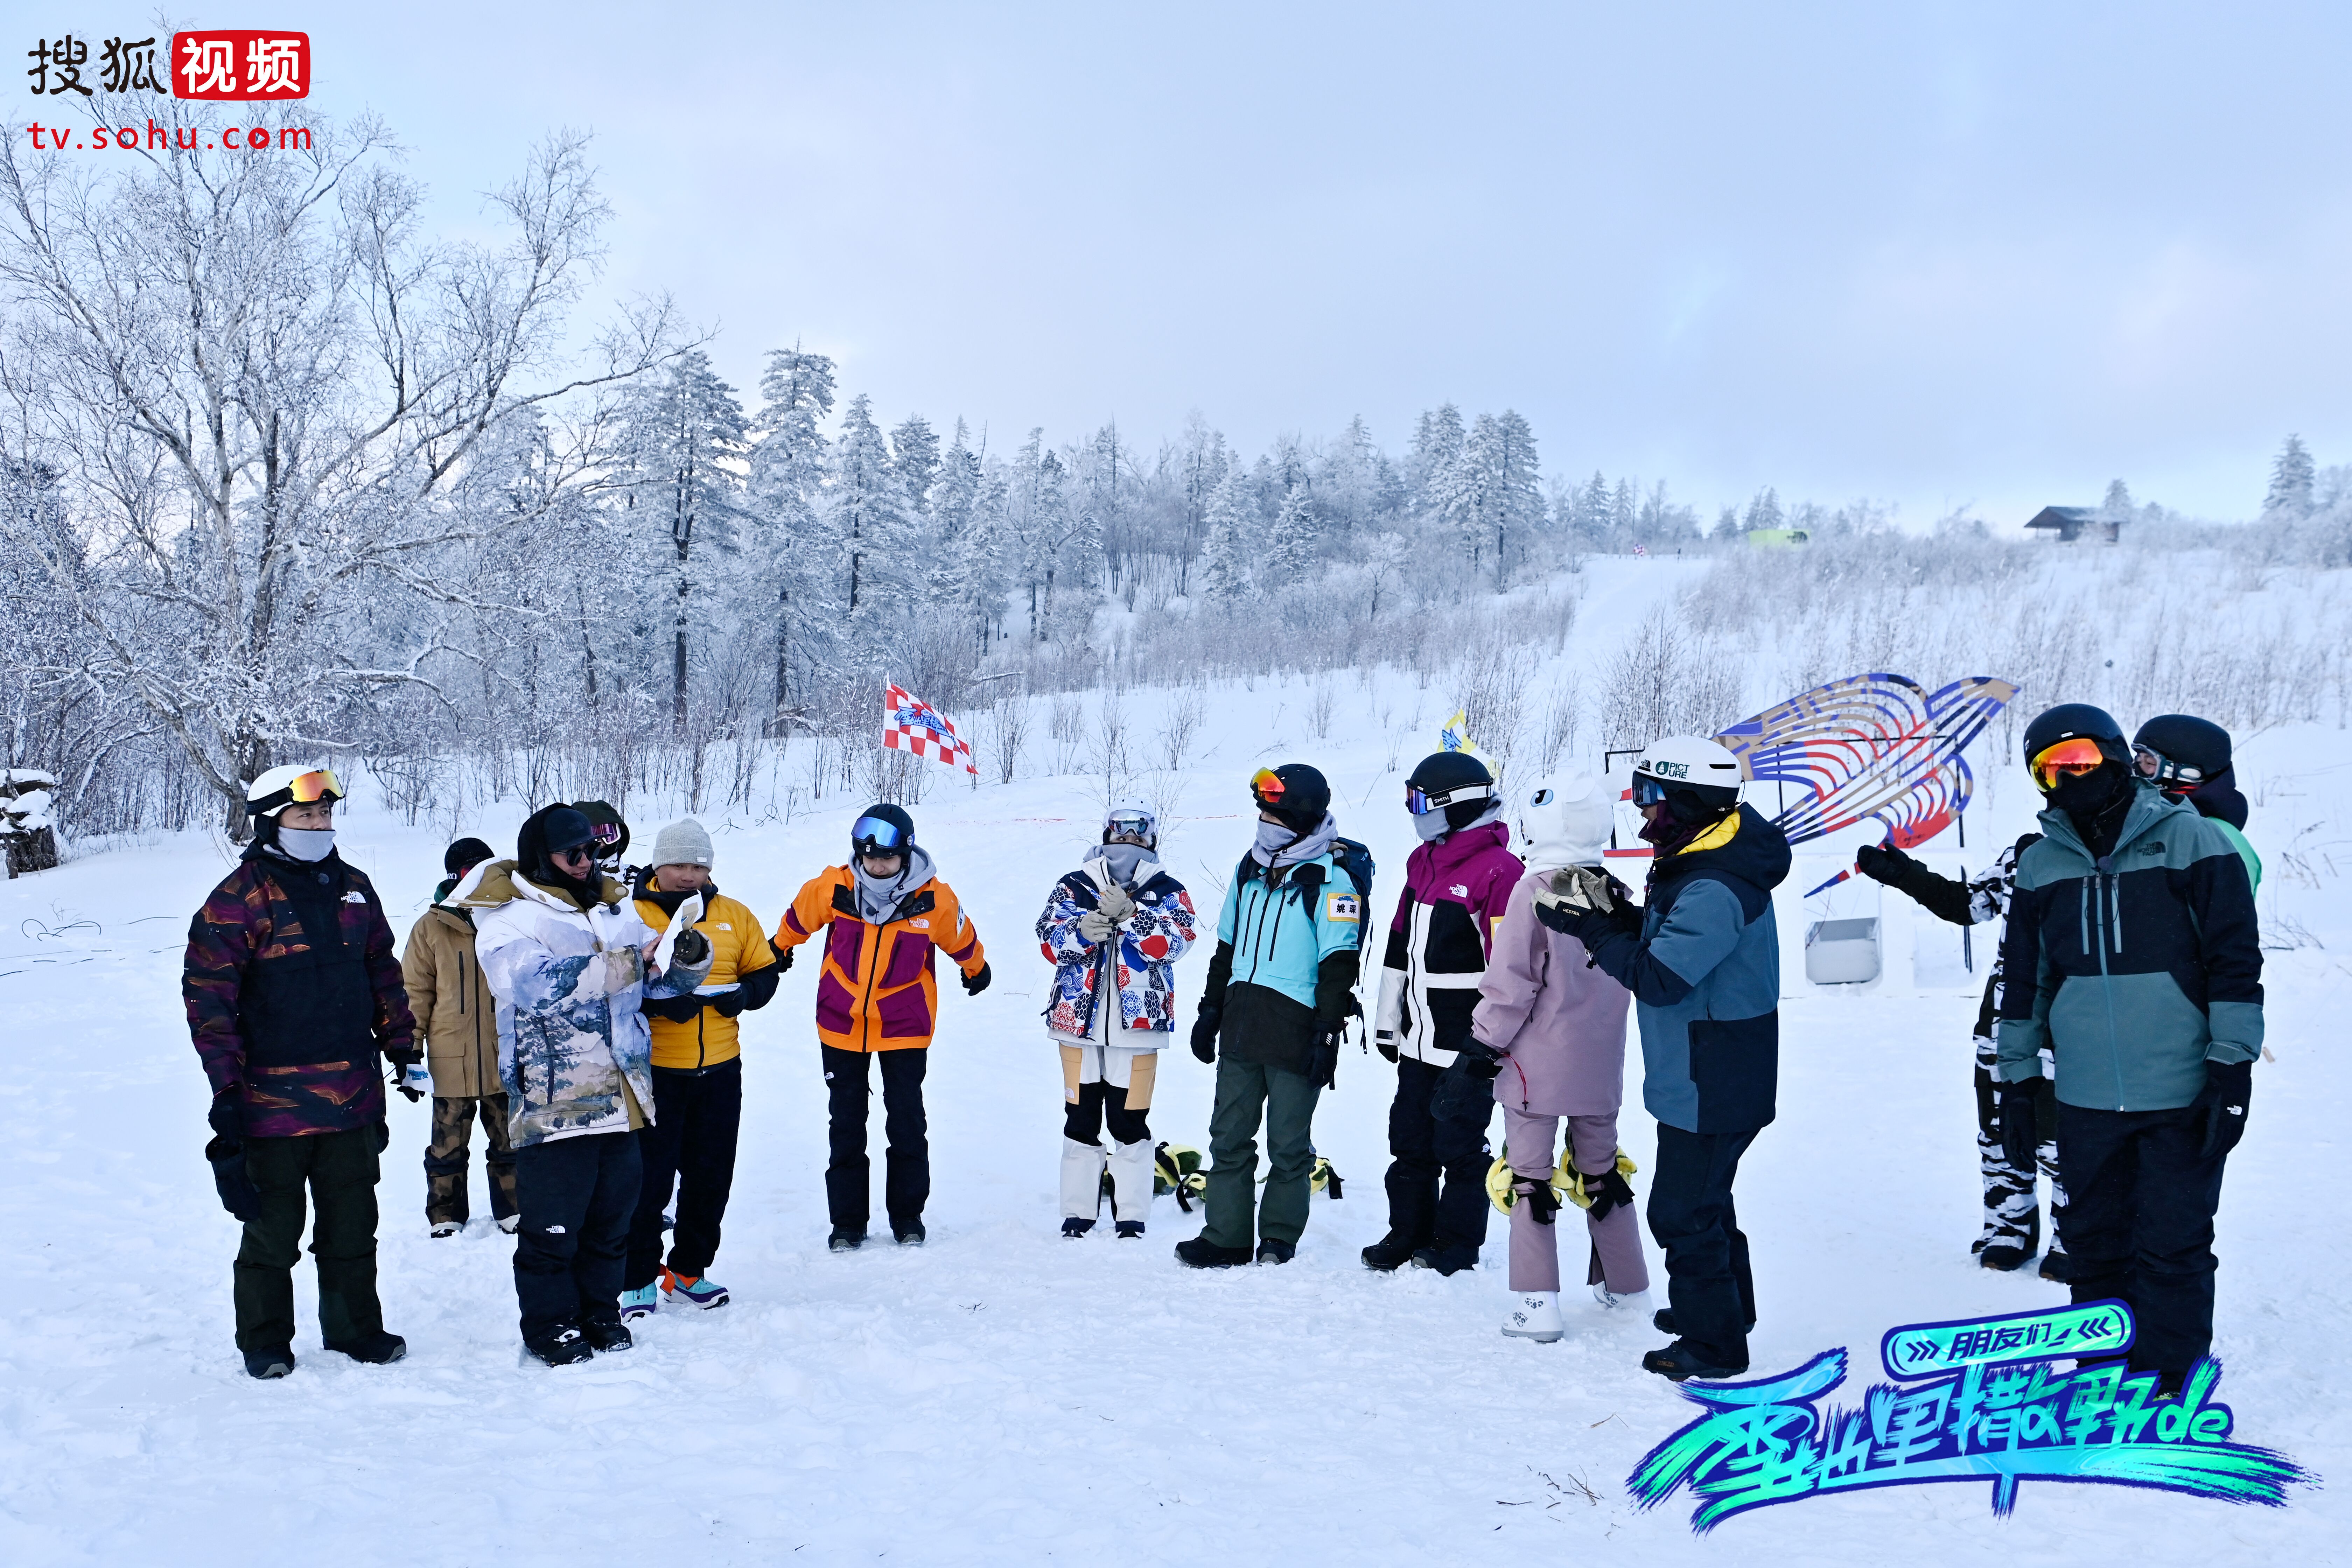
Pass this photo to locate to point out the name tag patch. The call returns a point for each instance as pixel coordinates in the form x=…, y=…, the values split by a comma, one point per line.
x=1342, y=907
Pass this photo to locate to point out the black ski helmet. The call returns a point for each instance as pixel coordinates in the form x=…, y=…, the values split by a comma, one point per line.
x=1296, y=793
x=2190, y=751
x=1453, y=782
x=882, y=828
x=605, y=819
x=2077, y=721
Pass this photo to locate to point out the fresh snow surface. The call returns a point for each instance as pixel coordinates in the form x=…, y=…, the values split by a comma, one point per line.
x=1006, y=1396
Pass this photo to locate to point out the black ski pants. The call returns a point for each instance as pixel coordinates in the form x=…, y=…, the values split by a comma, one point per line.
x=577, y=1194
x=2140, y=1196
x=849, y=1175
x=1692, y=1217
x=339, y=1171
x=1437, y=1170
x=691, y=1144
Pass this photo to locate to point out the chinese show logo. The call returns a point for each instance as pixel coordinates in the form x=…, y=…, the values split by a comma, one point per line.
x=224, y=66
x=1973, y=1400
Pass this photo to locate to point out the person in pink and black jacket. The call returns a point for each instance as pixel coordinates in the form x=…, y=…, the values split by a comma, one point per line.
x=1457, y=884
x=1556, y=1025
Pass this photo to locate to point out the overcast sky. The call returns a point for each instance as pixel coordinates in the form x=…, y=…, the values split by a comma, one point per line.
x=1941, y=255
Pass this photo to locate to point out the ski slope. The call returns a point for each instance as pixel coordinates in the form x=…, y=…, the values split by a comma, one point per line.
x=1004, y=1396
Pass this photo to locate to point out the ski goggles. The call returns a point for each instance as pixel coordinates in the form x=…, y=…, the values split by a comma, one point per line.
x=318, y=784
x=1267, y=788
x=1128, y=824
x=605, y=834
x=1421, y=802
x=873, y=832
x=2067, y=759
x=1647, y=791
x=2173, y=778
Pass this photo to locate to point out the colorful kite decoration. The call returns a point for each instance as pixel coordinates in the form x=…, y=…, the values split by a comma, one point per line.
x=911, y=724
x=1876, y=747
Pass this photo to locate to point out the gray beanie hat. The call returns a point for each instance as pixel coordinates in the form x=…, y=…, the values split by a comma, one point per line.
x=682, y=843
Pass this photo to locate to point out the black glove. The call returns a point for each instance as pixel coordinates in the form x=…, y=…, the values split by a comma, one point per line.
x=1323, y=1066
x=405, y=1056
x=237, y=1193
x=1883, y=863
x=2020, y=1134
x=676, y=1009
x=408, y=1090
x=224, y=1116
x=2228, y=1086
x=690, y=948
x=1466, y=1091
x=973, y=984
x=784, y=955
x=1204, y=1034
x=728, y=1004
x=1607, y=1190
x=1564, y=919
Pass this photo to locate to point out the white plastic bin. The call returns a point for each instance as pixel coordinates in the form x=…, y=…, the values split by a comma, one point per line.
x=1842, y=953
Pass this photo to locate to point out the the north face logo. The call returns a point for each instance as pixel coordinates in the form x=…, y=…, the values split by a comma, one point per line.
x=1458, y=890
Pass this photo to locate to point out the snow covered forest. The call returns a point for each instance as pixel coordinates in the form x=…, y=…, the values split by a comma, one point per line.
x=286, y=475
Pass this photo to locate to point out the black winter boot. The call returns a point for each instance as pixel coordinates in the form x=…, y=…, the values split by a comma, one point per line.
x=1272, y=1251
x=1129, y=1229
x=844, y=1239
x=1202, y=1253
x=275, y=1362
x=1682, y=1359
x=1075, y=1226
x=2005, y=1256
x=910, y=1234
x=1389, y=1254
x=606, y=1336
x=560, y=1347
x=2053, y=1265
x=1446, y=1260
x=378, y=1348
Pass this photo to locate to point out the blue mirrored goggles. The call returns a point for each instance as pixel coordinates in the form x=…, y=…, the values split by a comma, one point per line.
x=875, y=832
x=1647, y=791
x=1130, y=822
x=1421, y=802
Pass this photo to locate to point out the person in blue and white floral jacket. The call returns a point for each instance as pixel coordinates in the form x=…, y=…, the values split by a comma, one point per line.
x=1119, y=917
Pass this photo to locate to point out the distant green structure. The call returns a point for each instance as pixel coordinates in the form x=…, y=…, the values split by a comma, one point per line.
x=1776, y=538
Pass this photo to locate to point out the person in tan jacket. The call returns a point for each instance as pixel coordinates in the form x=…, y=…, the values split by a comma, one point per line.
x=458, y=1018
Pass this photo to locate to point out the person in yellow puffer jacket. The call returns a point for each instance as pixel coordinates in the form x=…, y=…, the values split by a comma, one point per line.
x=697, y=1073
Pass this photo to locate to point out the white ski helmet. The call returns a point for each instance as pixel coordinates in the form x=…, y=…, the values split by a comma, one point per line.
x=297, y=782
x=1706, y=768
x=1131, y=816
x=1563, y=822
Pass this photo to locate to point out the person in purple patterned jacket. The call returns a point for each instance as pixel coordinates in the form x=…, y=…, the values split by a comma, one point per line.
x=294, y=993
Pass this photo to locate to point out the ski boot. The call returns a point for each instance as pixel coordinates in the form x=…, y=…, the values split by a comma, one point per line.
x=275, y=1362
x=561, y=1346
x=1535, y=1315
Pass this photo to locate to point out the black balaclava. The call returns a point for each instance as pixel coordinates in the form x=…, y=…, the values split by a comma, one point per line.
x=559, y=827
x=1690, y=811
x=2096, y=804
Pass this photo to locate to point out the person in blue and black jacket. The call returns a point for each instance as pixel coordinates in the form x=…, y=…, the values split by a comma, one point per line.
x=2136, y=960
x=1702, y=957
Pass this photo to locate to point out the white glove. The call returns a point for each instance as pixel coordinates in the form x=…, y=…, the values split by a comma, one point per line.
x=1096, y=926
x=1577, y=888
x=1116, y=904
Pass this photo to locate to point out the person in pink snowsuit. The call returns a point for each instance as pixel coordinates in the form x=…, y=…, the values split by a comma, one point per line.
x=1559, y=1024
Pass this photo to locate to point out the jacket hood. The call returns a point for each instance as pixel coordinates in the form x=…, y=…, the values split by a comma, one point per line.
x=1466, y=844
x=875, y=900
x=1745, y=845
x=496, y=882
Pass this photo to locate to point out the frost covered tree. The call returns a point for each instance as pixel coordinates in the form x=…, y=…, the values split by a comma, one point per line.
x=915, y=452
x=1433, y=470
x=786, y=480
x=261, y=380
x=1505, y=502
x=1764, y=510
x=867, y=511
x=686, y=440
x=1225, y=573
x=2292, y=476
x=1290, y=544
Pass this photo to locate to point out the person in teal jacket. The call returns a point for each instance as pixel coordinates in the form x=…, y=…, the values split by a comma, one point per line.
x=2189, y=759
x=2136, y=958
x=1279, y=993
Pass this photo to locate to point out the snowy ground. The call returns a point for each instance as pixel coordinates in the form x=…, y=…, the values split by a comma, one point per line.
x=1006, y=1396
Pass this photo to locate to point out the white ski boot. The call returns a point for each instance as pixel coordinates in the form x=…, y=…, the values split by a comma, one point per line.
x=1535, y=1315
x=1613, y=1301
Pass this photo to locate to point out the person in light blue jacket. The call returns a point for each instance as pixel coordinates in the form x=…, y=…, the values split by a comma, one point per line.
x=1279, y=991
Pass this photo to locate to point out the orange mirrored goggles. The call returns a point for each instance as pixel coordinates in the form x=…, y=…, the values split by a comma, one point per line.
x=1266, y=787
x=321, y=785
x=2066, y=758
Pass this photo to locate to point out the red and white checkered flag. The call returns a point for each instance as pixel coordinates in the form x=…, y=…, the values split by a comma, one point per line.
x=910, y=724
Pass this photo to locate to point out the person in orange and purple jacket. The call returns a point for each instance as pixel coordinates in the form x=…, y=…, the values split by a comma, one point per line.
x=294, y=998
